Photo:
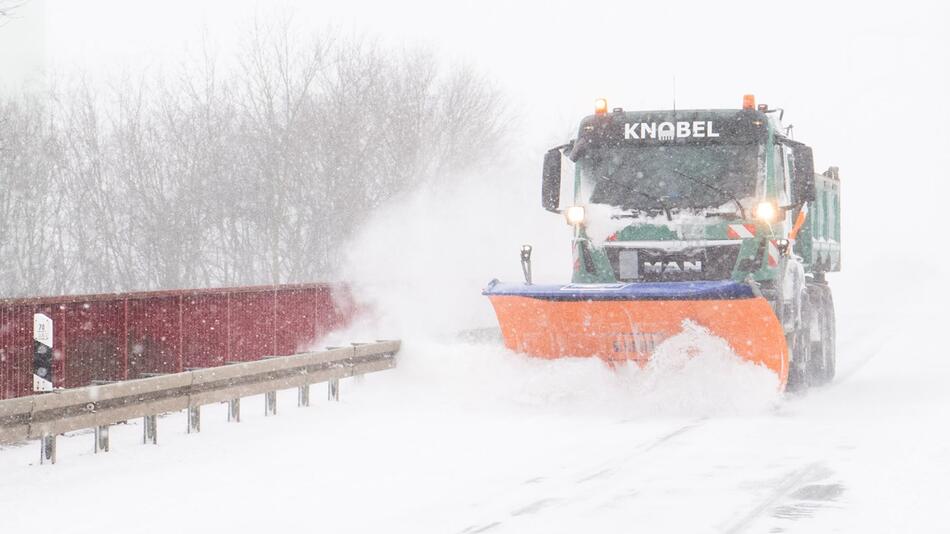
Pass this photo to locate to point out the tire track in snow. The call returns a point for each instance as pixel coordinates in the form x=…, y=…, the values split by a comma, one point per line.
x=870, y=348
x=864, y=344
x=877, y=329
x=867, y=349
x=596, y=476
x=787, y=485
x=613, y=465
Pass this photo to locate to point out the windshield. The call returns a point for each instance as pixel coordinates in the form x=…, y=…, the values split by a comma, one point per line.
x=669, y=176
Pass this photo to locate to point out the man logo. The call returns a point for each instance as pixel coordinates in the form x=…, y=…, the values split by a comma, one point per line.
x=672, y=267
x=667, y=131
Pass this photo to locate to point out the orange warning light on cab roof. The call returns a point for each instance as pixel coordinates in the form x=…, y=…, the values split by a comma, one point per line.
x=600, y=106
x=748, y=101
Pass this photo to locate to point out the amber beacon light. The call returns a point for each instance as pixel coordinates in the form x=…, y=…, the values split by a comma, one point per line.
x=748, y=101
x=600, y=106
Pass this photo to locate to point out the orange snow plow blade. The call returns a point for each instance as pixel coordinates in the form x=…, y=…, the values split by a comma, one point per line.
x=619, y=322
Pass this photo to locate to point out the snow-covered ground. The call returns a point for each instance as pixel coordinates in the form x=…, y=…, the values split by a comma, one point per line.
x=466, y=437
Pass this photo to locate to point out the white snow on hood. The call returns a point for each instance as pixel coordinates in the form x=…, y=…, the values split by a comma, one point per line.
x=604, y=220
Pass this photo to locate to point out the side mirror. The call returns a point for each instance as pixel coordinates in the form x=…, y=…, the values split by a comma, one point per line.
x=803, y=187
x=551, y=180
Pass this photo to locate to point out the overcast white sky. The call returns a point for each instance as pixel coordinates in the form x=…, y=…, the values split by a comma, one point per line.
x=810, y=57
x=866, y=85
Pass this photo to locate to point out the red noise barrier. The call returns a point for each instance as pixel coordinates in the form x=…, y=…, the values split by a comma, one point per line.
x=103, y=338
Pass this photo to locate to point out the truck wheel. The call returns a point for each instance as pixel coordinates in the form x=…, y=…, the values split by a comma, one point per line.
x=799, y=351
x=796, y=372
x=828, y=334
x=822, y=333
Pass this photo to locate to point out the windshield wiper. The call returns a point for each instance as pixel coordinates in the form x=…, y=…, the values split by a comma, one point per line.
x=628, y=187
x=721, y=191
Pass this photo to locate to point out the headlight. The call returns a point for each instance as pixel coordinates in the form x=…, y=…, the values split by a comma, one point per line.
x=575, y=215
x=766, y=212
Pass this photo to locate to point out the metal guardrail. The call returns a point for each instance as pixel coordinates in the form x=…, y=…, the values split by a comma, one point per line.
x=44, y=416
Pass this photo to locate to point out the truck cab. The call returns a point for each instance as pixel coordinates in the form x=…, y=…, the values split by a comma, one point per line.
x=690, y=195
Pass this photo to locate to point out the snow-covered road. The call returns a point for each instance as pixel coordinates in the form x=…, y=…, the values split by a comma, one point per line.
x=468, y=438
x=464, y=437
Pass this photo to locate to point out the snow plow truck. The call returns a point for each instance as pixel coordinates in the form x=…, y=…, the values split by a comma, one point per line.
x=714, y=217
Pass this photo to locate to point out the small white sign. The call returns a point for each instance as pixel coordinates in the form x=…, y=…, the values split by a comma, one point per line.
x=41, y=384
x=43, y=329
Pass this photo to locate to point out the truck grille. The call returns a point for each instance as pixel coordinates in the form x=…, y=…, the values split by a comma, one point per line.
x=641, y=264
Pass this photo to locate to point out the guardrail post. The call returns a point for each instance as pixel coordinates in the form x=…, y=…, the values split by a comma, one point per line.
x=358, y=379
x=303, y=395
x=194, y=419
x=234, y=411
x=270, y=403
x=48, y=449
x=150, y=430
x=101, y=439
x=333, y=389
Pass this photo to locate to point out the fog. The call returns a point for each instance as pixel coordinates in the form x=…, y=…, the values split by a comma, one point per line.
x=464, y=435
x=863, y=84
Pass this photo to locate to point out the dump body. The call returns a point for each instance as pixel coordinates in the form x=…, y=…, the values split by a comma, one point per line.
x=819, y=243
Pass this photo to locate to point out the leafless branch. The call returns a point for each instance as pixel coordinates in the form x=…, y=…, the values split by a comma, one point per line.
x=202, y=177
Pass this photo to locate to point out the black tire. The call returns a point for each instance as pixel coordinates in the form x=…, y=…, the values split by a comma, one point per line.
x=814, y=332
x=821, y=331
x=799, y=352
x=825, y=371
x=831, y=343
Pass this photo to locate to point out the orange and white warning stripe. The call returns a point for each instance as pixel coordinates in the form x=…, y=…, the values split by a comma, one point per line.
x=740, y=231
x=773, y=254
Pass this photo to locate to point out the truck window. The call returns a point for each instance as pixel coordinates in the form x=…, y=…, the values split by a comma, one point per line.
x=780, y=175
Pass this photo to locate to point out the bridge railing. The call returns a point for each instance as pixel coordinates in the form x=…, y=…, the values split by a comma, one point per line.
x=121, y=336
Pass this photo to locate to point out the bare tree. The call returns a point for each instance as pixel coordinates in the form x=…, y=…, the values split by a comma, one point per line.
x=198, y=178
x=29, y=244
x=278, y=79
